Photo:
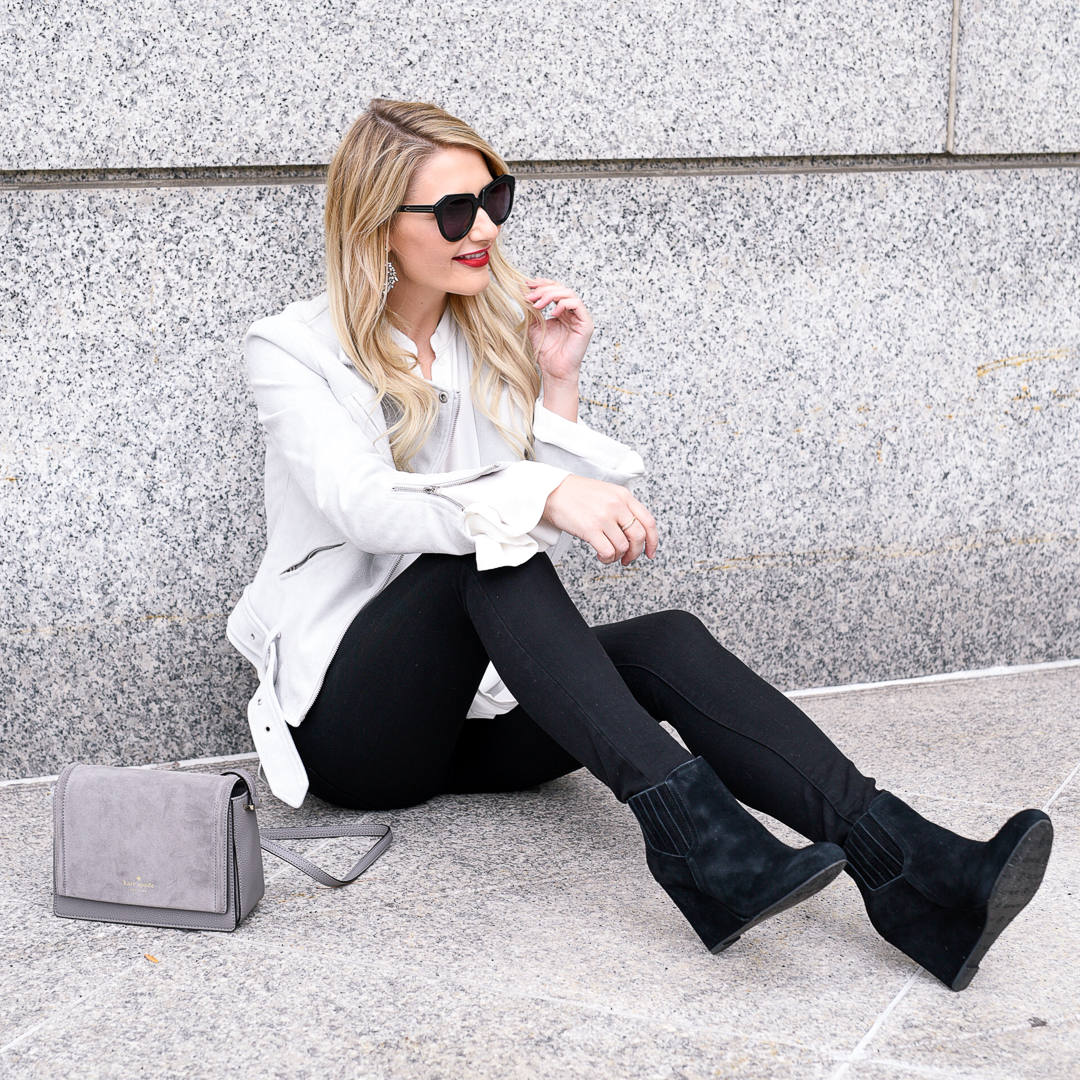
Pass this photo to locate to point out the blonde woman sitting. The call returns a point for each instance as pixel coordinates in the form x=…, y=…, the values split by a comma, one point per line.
x=424, y=457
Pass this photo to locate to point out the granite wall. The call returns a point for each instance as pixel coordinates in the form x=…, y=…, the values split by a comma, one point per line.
x=850, y=357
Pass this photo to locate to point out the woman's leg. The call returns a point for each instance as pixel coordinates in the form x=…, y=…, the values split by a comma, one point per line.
x=382, y=731
x=764, y=748
x=387, y=727
x=422, y=645
x=506, y=753
x=940, y=898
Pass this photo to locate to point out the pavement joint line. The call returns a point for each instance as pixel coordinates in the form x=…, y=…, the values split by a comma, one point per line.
x=858, y=1054
x=997, y=672
x=813, y=691
x=1064, y=785
x=1004, y=1029
x=58, y=1014
x=551, y=999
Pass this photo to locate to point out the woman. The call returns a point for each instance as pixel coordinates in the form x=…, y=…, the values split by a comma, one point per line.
x=423, y=449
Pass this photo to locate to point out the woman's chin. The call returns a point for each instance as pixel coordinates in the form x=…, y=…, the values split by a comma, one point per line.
x=471, y=282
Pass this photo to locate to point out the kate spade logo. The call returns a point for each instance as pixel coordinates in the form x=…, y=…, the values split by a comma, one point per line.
x=138, y=883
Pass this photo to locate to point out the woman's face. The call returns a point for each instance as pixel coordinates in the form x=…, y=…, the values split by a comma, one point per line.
x=425, y=262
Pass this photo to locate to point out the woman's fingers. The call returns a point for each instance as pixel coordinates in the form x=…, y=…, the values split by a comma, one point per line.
x=539, y=283
x=648, y=526
x=602, y=545
x=635, y=534
x=630, y=538
x=620, y=542
x=544, y=292
x=568, y=304
x=606, y=516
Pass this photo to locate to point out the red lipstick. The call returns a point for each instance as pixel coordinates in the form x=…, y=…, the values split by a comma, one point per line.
x=474, y=258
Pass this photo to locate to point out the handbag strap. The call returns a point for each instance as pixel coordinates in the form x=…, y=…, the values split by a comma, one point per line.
x=315, y=832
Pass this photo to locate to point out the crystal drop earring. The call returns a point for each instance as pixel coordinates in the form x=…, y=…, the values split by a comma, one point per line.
x=391, y=278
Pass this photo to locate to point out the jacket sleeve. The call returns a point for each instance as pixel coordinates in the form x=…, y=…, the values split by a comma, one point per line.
x=503, y=509
x=334, y=461
x=579, y=449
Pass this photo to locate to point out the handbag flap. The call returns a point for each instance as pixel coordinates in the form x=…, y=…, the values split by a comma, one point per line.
x=142, y=836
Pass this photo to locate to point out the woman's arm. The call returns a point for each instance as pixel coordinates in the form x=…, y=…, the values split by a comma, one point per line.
x=335, y=462
x=560, y=344
x=602, y=514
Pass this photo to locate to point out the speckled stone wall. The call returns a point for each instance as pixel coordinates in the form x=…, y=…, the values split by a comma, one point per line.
x=857, y=392
x=1018, y=86
x=168, y=82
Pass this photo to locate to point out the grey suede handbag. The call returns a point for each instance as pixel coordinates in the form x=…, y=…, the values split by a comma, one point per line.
x=171, y=849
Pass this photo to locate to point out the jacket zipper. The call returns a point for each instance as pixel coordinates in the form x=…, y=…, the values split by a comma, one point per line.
x=311, y=555
x=434, y=489
x=453, y=428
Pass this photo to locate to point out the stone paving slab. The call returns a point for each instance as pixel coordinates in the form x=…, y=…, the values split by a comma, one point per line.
x=521, y=936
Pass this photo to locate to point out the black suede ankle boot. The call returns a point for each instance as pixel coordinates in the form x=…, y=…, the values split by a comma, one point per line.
x=937, y=897
x=725, y=871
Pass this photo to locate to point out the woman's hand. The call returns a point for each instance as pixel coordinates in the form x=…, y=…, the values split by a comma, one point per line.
x=604, y=515
x=560, y=343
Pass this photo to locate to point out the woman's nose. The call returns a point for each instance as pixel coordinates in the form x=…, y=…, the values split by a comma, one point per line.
x=483, y=227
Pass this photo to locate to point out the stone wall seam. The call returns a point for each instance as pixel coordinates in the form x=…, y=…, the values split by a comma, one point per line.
x=279, y=175
x=954, y=48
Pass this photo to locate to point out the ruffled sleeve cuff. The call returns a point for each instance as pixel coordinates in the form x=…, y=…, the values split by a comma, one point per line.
x=503, y=511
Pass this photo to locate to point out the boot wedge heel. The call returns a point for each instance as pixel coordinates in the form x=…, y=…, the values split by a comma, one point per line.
x=1017, y=883
x=720, y=928
x=710, y=920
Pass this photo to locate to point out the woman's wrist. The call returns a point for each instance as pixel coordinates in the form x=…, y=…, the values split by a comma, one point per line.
x=561, y=397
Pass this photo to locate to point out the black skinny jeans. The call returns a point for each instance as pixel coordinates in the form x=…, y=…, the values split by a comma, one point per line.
x=389, y=726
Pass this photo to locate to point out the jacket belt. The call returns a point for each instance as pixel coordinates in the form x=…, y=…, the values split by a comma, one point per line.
x=285, y=772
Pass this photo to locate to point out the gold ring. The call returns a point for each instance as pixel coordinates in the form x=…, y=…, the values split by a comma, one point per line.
x=628, y=524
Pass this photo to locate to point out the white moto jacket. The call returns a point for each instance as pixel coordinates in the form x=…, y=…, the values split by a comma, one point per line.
x=342, y=521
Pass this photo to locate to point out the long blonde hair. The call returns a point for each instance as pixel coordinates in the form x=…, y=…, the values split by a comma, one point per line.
x=368, y=180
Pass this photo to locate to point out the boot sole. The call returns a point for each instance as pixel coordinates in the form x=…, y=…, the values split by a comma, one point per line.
x=807, y=889
x=1020, y=877
x=710, y=919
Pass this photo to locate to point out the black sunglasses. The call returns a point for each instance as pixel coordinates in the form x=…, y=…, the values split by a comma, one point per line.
x=455, y=214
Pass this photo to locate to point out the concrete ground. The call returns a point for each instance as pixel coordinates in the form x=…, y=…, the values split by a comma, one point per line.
x=521, y=936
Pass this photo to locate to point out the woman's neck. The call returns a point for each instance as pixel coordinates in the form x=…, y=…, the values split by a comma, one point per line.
x=420, y=311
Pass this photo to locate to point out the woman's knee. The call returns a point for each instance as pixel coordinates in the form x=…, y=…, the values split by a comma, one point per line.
x=676, y=626
x=661, y=641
